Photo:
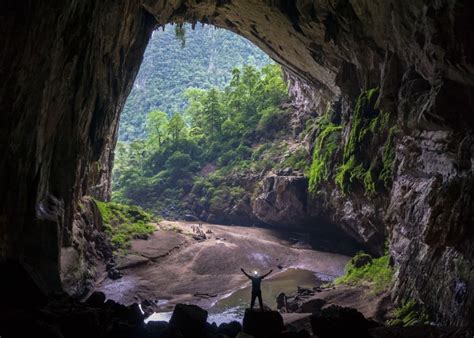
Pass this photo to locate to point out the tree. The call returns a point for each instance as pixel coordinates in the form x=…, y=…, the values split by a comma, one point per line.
x=213, y=113
x=157, y=126
x=176, y=127
x=228, y=128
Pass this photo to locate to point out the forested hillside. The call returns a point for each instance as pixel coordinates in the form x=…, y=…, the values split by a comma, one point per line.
x=195, y=157
x=207, y=118
x=177, y=59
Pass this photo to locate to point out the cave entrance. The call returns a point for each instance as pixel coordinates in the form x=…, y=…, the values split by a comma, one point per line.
x=209, y=177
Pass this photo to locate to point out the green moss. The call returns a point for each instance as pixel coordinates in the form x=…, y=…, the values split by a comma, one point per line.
x=362, y=165
x=297, y=160
x=124, y=222
x=409, y=314
x=326, y=144
x=224, y=195
x=369, y=184
x=377, y=274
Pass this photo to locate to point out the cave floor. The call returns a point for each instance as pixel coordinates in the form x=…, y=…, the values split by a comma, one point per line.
x=176, y=266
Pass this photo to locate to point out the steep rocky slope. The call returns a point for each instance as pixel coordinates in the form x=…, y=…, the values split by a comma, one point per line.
x=68, y=67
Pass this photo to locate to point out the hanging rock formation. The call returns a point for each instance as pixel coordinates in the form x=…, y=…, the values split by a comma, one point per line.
x=67, y=69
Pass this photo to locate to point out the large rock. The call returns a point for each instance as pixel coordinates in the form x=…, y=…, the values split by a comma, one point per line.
x=263, y=324
x=229, y=330
x=190, y=320
x=82, y=261
x=282, y=200
x=336, y=321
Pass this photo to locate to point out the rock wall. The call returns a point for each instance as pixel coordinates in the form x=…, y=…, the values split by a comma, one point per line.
x=67, y=68
x=66, y=71
x=84, y=260
x=427, y=211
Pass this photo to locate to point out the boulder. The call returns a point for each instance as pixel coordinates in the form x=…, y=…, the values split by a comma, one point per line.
x=282, y=200
x=190, y=320
x=230, y=330
x=282, y=302
x=361, y=259
x=156, y=328
x=292, y=334
x=114, y=274
x=97, y=299
x=262, y=324
x=337, y=321
x=312, y=306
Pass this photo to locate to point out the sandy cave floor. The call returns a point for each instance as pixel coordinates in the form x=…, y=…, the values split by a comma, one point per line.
x=173, y=267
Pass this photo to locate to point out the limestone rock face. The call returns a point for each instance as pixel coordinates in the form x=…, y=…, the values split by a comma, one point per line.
x=90, y=249
x=67, y=68
x=282, y=200
x=66, y=71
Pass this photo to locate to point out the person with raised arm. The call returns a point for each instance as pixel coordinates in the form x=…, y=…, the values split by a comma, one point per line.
x=256, y=290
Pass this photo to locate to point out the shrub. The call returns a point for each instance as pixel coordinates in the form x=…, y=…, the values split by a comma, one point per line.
x=124, y=222
x=409, y=314
x=377, y=274
x=297, y=160
x=326, y=144
x=272, y=120
x=362, y=165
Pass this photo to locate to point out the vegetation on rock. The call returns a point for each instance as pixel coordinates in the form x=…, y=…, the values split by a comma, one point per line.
x=365, y=160
x=221, y=133
x=362, y=164
x=326, y=143
x=124, y=222
x=409, y=314
x=376, y=273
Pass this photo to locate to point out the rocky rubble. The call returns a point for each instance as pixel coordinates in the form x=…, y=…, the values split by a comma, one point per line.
x=32, y=313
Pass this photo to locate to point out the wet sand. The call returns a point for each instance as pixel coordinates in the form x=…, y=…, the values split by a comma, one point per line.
x=172, y=267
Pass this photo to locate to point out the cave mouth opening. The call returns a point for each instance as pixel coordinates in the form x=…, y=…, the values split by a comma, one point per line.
x=207, y=124
x=60, y=110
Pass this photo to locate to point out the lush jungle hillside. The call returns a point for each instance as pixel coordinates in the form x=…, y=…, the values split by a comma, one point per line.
x=179, y=58
x=206, y=119
x=193, y=160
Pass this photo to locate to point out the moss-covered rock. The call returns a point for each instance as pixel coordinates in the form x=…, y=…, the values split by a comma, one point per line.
x=124, y=222
x=368, y=153
x=325, y=146
x=409, y=314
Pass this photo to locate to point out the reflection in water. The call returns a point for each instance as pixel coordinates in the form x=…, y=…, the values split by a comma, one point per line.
x=233, y=306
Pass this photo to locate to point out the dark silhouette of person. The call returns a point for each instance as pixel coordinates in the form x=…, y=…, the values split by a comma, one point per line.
x=256, y=290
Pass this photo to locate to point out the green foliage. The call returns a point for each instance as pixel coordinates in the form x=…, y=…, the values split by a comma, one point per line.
x=361, y=164
x=157, y=126
x=326, y=144
x=409, y=314
x=377, y=274
x=124, y=222
x=176, y=128
x=220, y=127
x=297, y=160
x=179, y=58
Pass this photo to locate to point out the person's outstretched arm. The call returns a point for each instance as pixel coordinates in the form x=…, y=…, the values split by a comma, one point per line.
x=245, y=273
x=265, y=275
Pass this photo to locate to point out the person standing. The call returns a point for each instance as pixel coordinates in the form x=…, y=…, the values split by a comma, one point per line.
x=256, y=287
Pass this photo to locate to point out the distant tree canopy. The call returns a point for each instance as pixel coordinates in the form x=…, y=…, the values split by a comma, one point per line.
x=219, y=126
x=180, y=58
